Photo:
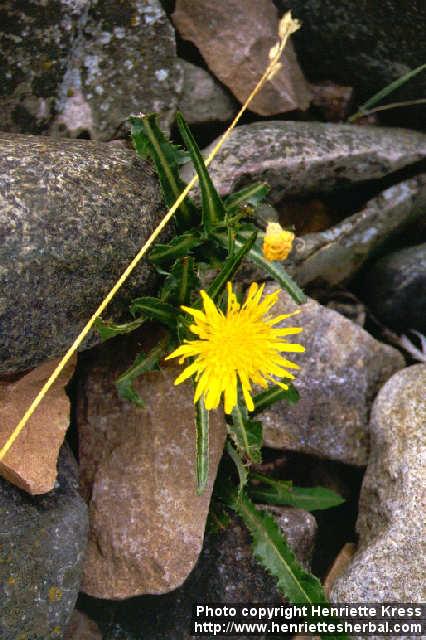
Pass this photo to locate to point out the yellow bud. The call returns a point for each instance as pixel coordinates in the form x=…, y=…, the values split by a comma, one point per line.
x=277, y=242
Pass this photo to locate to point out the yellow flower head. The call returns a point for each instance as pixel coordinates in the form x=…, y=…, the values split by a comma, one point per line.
x=277, y=242
x=244, y=344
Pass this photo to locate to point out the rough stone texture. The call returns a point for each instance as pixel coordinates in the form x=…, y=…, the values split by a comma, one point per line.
x=30, y=463
x=366, y=45
x=234, y=37
x=42, y=542
x=225, y=572
x=395, y=289
x=306, y=157
x=35, y=38
x=334, y=255
x=391, y=524
x=81, y=627
x=123, y=61
x=72, y=216
x=203, y=98
x=137, y=468
x=340, y=373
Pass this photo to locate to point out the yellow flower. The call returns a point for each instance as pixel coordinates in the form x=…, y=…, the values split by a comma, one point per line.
x=244, y=344
x=277, y=242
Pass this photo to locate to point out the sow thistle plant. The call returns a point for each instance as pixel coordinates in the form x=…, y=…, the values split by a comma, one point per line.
x=228, y=343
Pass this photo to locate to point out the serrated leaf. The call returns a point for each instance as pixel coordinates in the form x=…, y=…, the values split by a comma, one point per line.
x=142, y=364
x=246, y=435
x=202, y=444
x=181, y=281
x=218, y=518
x=241, y=468
x=109, y=330
x=155, y=309
x=282, y=492
x=229, y=268
x=272, y=550
x=213, y=209
x=178, y=247
x=273, y=394
x=150, y=141
x=252, y=195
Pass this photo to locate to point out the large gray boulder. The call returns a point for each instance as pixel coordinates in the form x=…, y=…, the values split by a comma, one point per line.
x=72, y=216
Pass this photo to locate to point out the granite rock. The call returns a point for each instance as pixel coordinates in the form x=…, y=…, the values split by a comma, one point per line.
x=80, y=627
x=72, y=216
x=42, y=540
x=299, y=158
x=391, y=526
x=203, y=98
x=234, y=38
x=340, y=373
x=137, y=469
x=123, y=61
x=395, y=289
x=30, y=463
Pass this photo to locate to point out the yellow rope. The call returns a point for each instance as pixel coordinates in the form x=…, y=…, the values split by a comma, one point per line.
x=287, y=26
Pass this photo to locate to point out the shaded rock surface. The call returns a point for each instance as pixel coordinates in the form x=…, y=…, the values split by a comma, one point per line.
x=225, y=572
x=234, y=38
x=30, y=463
x=387, y=566
x=29, y=83
x=203, y=98
x=81, y=627
x=334, y=255
x=297, y=158
x=137, y=469
x=395, y=289
x=365, y=45
x=72, y=216
x=123, y=61
x=42, y=542
x=341, y=371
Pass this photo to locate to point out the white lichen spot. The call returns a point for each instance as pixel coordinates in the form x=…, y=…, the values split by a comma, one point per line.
x=105, y=37
x=91, y=62
x=99, y=90
x=76, y=114
x=119, y=32
x=161, y=74
x=128, y=64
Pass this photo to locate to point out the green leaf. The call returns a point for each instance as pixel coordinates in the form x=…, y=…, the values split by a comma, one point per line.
x=273, y=394
x=241, y=468
x=252, y=195
x=180, y=283
x=149, y=141
x=108, y=329
x=229, y=268
x=142, y=364
x=202, y=444
x=178, y=247
x=282, y=492
x=246, y=435
x=155, y=309
x=213, y=209
x=272, y=550
x=383, y=93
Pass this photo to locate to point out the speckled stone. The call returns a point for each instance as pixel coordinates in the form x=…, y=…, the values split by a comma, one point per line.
x=203, y=98
x=226, y=572
x=396, y=289
x=340, y=373
x=42, y=542
x=72, y=216
x=234, y=38
x=35, y=38
x=366, y=45
x=123, y=61
x=137, y=469
x=298, y=158
x=335, y=255
x=388, y=565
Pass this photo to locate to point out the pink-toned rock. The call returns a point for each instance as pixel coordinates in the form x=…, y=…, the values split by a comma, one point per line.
x=234, y=37
x=138, y=472
x=30, y=463
x=80, y=627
